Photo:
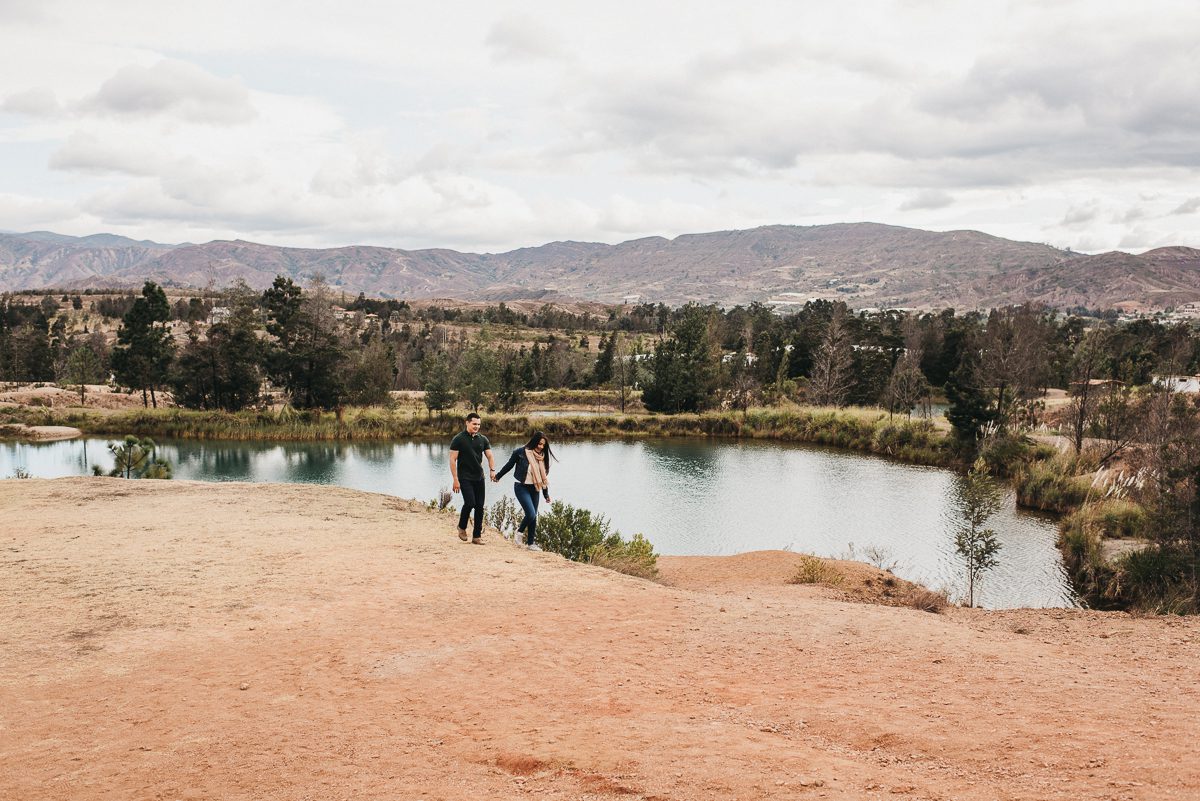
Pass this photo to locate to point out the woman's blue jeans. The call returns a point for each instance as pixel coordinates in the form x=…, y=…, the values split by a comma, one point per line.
x=528, y=497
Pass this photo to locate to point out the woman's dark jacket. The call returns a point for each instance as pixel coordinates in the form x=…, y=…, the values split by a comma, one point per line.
x=521, y=462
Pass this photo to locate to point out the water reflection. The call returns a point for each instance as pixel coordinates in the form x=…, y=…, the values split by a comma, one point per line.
x=688, y=497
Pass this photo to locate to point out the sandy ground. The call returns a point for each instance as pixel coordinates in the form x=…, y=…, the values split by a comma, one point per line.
x=177, y=640
x=97, y=396
x=23, y=432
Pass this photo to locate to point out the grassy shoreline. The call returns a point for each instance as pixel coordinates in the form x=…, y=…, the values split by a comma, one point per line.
x=913, y=441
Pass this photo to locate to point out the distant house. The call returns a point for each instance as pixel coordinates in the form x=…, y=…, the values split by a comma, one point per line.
x=1178, y=383
x=219, y=314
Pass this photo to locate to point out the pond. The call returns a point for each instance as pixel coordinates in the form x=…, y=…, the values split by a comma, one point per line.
x=689, y=497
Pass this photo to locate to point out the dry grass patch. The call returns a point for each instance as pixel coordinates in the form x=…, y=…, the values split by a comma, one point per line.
x=926, y=600
x=815, y=570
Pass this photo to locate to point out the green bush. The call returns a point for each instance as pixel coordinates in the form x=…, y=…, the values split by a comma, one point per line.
x=1051, y=486
x=570, y=532
x=581, y=536
x=635, y=557
x=1005, y=455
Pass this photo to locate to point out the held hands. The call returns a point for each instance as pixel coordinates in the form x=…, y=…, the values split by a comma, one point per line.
x=492, y=473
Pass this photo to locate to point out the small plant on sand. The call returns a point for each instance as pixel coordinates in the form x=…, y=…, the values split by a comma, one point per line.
x=505, y=515
x=815, y=570
x=634, y=557
x=926, y=600
x=21, y=472
x=439, y=502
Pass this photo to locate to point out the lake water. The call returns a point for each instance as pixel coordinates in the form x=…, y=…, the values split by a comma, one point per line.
x=689, y=497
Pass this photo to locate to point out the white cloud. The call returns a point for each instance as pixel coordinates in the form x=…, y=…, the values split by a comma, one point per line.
x=522, y=38
x=175, y=88
x=37, y=102
x=1189, y=206
x=1081, y=215
x=929, y=199
x=470, y=125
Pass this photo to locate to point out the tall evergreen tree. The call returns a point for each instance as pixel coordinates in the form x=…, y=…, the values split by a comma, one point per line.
x=603, y=371
x=436, y=380
x=142, y=356
x=685, y=367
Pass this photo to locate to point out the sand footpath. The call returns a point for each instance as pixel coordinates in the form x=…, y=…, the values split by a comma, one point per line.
x=183, y=640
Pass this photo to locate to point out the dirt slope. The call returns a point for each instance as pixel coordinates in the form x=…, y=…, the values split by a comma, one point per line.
x=177, y=640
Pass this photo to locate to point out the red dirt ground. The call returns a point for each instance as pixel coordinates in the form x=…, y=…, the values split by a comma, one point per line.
x=177, y=640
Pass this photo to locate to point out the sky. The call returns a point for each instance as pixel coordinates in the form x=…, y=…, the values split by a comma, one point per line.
x=489, y=126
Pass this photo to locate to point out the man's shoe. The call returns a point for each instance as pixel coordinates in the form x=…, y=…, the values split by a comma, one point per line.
x=477, y=541
x=462, y=534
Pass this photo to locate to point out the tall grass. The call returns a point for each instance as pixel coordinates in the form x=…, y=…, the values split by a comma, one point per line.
x=1052, y=485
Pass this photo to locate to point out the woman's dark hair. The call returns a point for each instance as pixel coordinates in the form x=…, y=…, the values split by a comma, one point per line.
x=537, y=437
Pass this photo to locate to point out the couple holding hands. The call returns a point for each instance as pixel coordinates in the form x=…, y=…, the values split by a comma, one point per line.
x=531, y=470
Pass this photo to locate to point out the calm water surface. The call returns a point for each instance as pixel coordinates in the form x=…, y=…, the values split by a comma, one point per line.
x=688, y=497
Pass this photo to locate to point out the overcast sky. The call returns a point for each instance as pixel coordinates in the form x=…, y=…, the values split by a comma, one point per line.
x=488, y=126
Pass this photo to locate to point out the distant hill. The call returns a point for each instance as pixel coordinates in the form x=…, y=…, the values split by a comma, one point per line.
x=866, y=264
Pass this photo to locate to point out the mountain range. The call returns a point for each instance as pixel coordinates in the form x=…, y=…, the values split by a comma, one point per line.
x=865, y=264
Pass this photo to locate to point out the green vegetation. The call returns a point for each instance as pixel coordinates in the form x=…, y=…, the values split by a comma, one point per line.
x=977, y=499
x=296, y=363
x=134, y=458
x=582, y=536
x=815, y=570
x=870, y=431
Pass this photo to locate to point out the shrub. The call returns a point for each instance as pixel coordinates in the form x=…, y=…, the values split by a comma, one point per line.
x=570, y=532
x=815, y=570
x=505, y=515
x=581, y=536
x=1051, y=486
x=635, y=557
x=1004, y=455
x=1117, y=518
x=926, y=600
x=1158, y=580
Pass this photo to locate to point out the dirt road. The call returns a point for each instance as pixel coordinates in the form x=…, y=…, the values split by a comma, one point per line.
x=178, y=640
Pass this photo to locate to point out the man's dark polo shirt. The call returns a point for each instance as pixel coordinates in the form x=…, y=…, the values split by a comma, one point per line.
x=470, y=455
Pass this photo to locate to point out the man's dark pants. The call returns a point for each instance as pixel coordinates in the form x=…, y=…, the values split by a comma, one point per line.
x=472, y=492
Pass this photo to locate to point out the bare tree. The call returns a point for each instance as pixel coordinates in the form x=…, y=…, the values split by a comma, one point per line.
x=1085, y=366
x=833, y=365
x=908, y=386
x=1013, y=356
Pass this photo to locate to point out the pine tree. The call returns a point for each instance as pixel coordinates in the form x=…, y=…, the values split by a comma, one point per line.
x=685, y=367
x=435, y=381
x=144, y=350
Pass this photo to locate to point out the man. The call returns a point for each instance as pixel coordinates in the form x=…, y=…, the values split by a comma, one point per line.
x=467, y=450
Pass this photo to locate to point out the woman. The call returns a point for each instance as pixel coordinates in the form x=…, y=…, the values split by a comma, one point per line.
x=532, y=463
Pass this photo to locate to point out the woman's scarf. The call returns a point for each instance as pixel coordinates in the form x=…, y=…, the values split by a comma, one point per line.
x=536, y=474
